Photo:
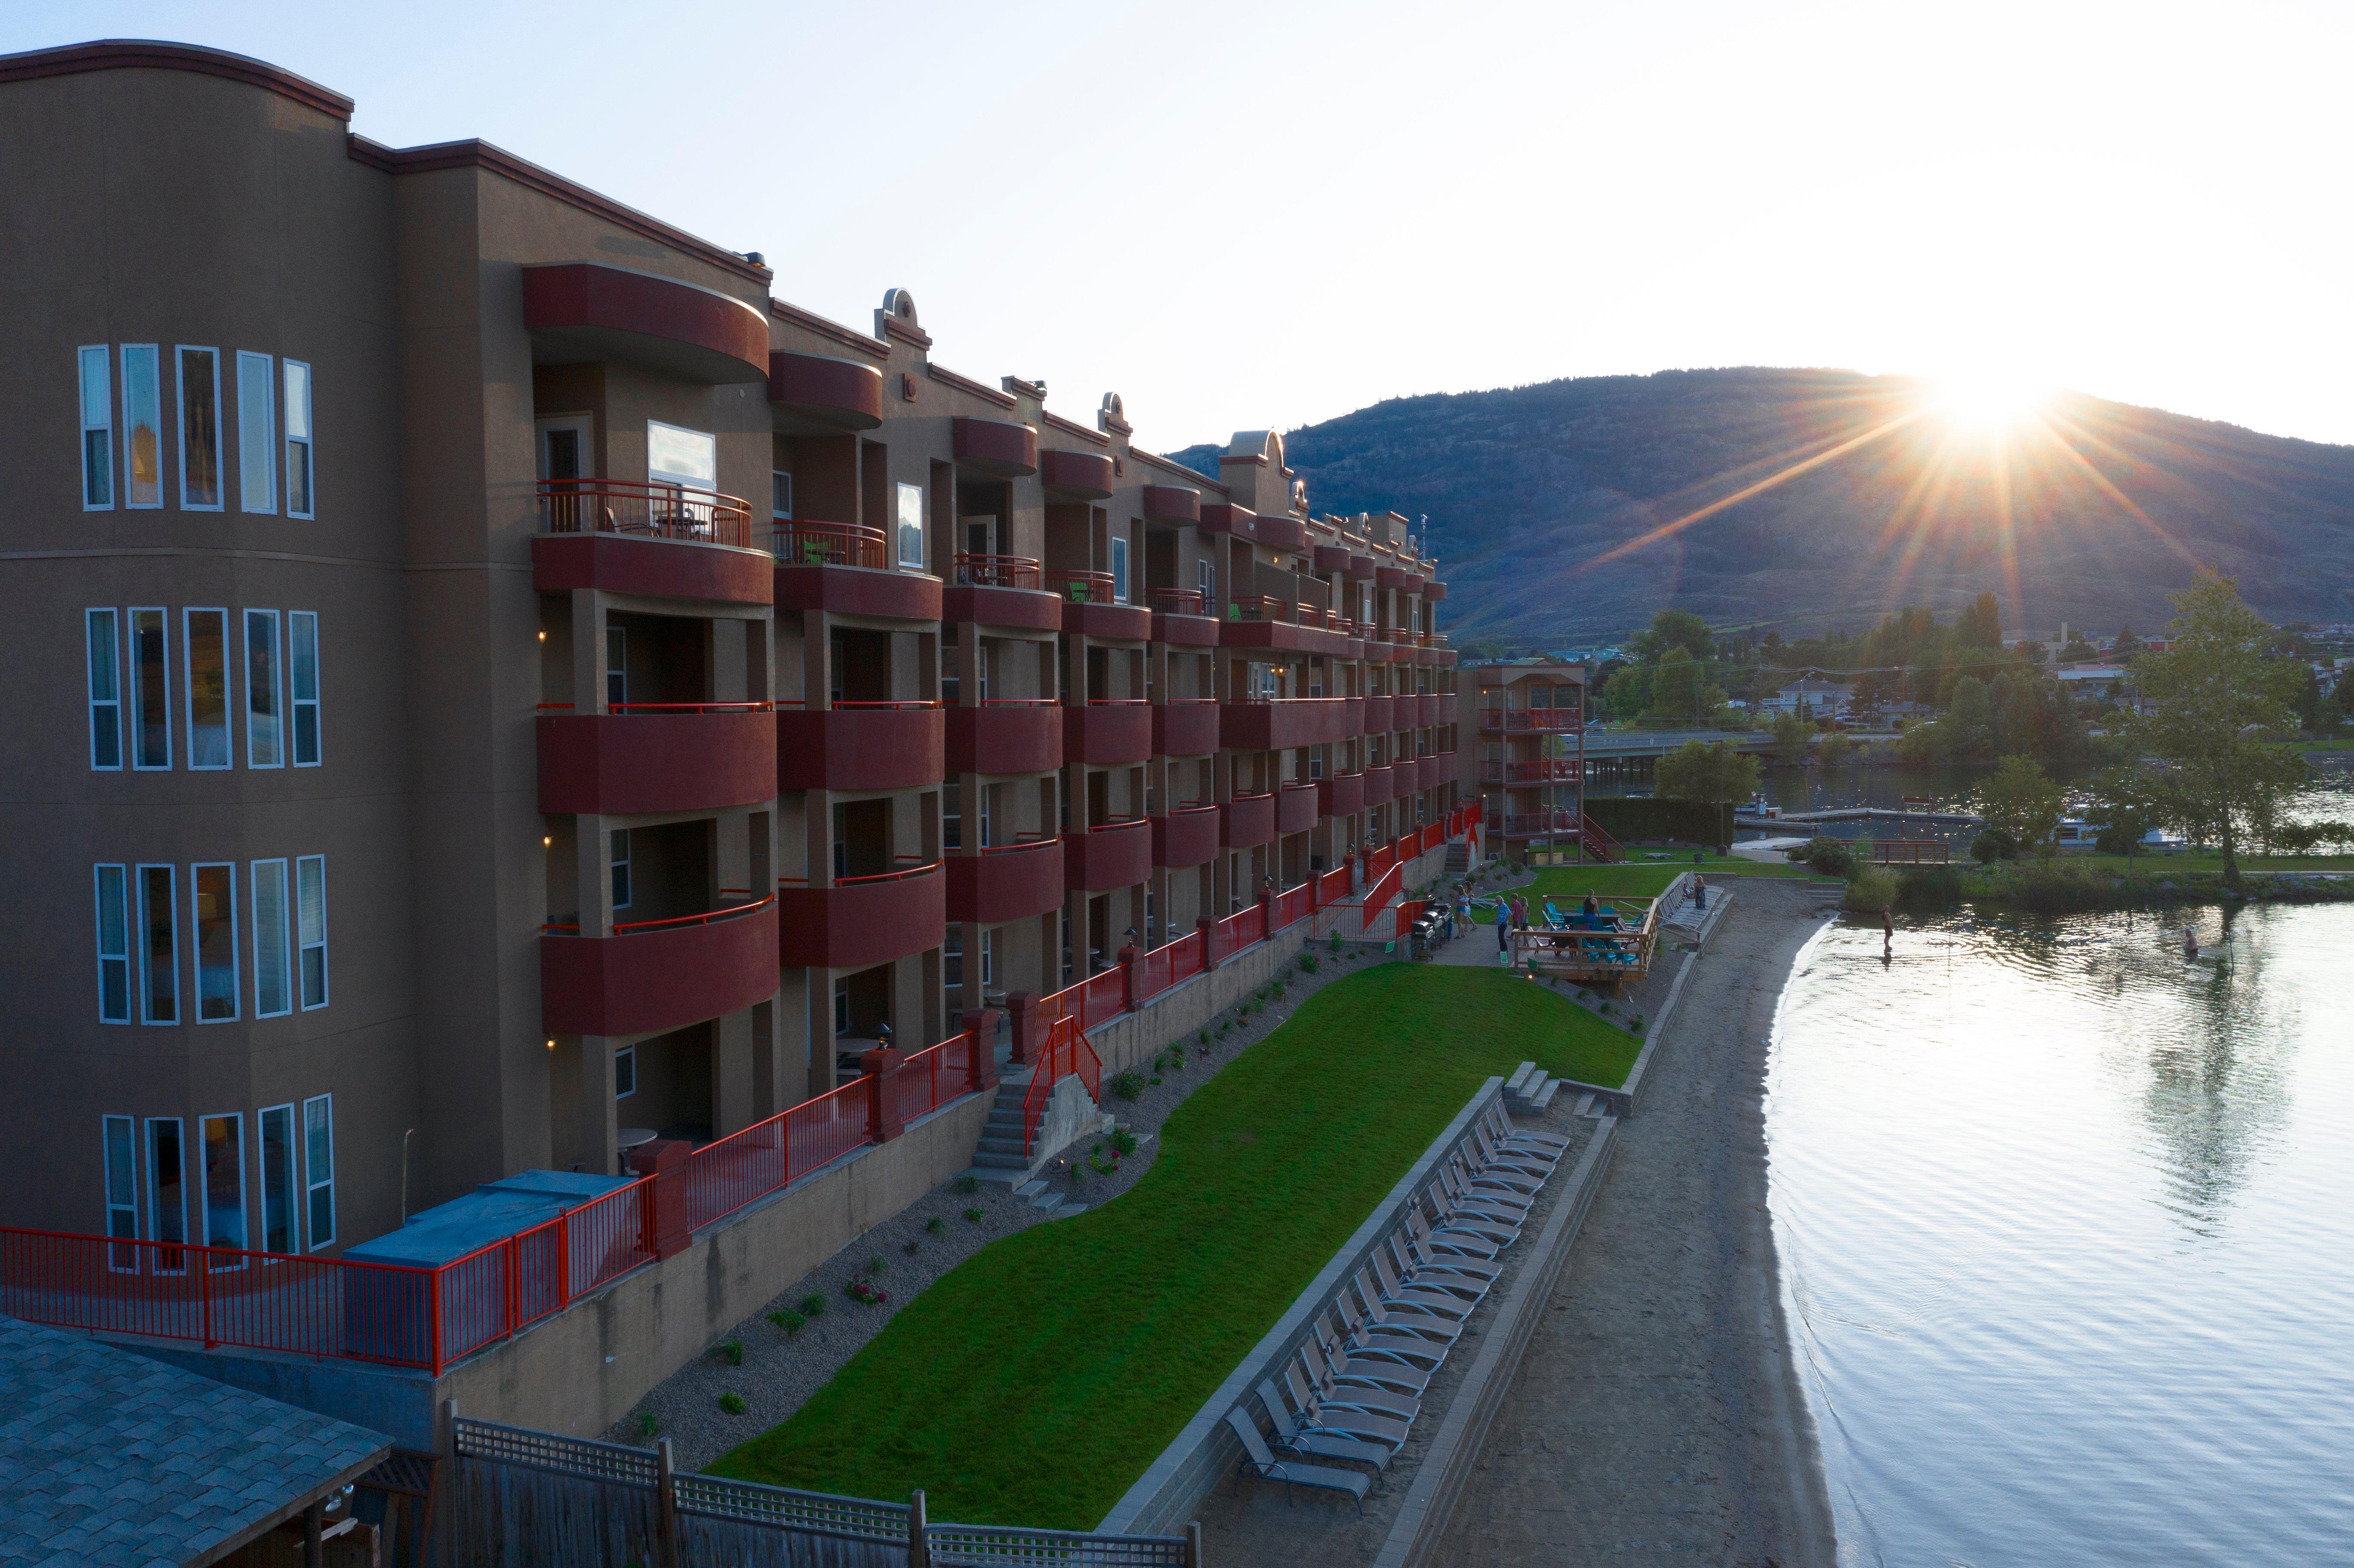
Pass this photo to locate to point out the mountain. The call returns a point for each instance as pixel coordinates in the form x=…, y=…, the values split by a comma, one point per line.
x=1564, y=512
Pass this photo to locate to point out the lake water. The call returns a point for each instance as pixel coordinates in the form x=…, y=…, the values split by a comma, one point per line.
x=2067, y=1237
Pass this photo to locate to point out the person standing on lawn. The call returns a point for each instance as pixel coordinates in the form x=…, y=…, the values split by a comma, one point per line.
x=1503, y=927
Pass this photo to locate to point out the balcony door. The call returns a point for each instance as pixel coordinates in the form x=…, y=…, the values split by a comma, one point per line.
x=564, y=447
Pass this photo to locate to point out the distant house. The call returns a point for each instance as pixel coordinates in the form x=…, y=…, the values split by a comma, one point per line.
x=2091, y=679
x=1810, y=697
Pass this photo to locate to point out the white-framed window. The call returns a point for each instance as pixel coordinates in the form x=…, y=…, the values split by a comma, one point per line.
x=223, y=1146
x=310, y=928
x=988, y=959
x=159, y=945
x=274, y=973
x=300, y=499
x=625, y=1072
x=97, y=430
x=620, y=868
x=1205, y=579
x=203, y=647
x=780, y=496
x=167, y=1193
x=143, y=426
x=1119, y=569
x=113, y=907
x=198, y=373
x=319, y=1169
x=103, y=640
x=676, y=455
x=264, y=736
x=212, y=894
x=911, y=520
x=302, y=684
x=151, y=690
x=257, y=433
x=617, y=666
x=119, y=1152
x=281, y=1203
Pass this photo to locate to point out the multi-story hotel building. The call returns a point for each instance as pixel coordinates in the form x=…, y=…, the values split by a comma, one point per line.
x=497, y=676
x=1525, y=761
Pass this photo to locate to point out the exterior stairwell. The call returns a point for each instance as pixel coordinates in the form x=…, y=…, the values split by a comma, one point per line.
x=1002, y=1146
x=1459, y=857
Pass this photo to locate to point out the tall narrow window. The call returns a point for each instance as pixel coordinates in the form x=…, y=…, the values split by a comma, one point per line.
x=120, y=1149
x=159, y=948
x=97, y=432
x=213, y=891
x=780, y=496
x=201, y=435
x=204, y=640
x=151, y=690
x=310, y=928
x=302, y=684
x=299, y=500
x=257, y=434
x=273, y=991
x=278, y=1179
x=617, y=666
x=620, y=868
x=911, y=527
x=114, y=945
x=625, y=1072
x=263, y=746
x=105, y=689
x=167, y=1197
x=224, y=1152
x=1119, y=571
x=1205, y=579
x=319, y=1168
x=143, y=426
x=952, y=815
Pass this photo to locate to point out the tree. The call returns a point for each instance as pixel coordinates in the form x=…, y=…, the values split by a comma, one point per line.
x=1680, y=689
x=1980, y=626
x=2130, y=802
x=1832, y=748
x=2124, y=644
x=1671, y=629
x=2020, y=803
x=1710, y=775
x=1790, y=736
x=1626, y=693
x=2217, y=698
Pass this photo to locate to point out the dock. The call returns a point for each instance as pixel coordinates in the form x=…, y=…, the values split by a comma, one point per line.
x=1863, y=813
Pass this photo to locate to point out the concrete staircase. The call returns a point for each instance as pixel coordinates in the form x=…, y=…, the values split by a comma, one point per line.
x=1458, y=858
x=1003, y=1154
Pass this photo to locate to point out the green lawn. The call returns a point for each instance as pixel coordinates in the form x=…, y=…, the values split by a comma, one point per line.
x=1638, y=878
x=1035, y=1382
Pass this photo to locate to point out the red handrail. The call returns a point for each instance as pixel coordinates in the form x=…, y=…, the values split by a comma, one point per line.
x=1066, y=1052
x=800, y=544
x=1080, y=587
x=997, y=571
x=1174, y=601
x=704, y=918
x=649, y=511
x=688, y=707
x=887, y=876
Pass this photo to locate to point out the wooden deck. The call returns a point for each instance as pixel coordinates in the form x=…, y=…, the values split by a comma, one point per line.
x=1605, y=956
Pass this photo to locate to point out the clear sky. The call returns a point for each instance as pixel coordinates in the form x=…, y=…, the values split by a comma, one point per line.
x=2148, y=202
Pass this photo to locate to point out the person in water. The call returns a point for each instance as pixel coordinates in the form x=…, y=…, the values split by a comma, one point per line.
x=2190, y=943
x=1887, y=931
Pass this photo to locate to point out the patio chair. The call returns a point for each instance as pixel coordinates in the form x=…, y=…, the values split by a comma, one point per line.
x=1455, y=1246
x=1498, y=1205
x=1485, y=1162
x=1259, y=1462
x=1532, y=1159
x=1298, y=1438
x=1500, y=1120
x=1369, y=1341
x=1450, y=1215
x=1396, y=1292
x=1357, y=1413
x=1382, y=1314
x=1458, y=1272
x=1387, y=1386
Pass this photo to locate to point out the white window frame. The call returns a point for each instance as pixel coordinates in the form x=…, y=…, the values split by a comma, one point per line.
x=303, y=944
x=277, y=715
x=272, y=874
x=180, y=391
x=139, y=712
x=621, y=884
x=120, y=937
x=305, y=447
x=105, y=709
x=1206, y=581
x=780, y=496
x=313, y=1183
x=154, y=354
x=293, y=1193
x=298, y=624
x=155, y=1195
x=196, y=936
x=144, y=969
x=189, y=614
x=627, y=1055
x=105, y=390
x=204, y=1198
x=679, y=477
x=1119, y=568
x=122, y=1207
x=905, y=528
x=257, y=462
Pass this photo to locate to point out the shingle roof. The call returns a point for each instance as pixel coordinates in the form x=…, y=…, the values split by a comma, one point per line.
x=107, y=1458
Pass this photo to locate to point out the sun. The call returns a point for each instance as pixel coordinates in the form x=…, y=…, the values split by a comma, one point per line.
x=1988, y=399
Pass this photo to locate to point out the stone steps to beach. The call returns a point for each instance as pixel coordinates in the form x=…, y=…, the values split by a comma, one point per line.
x=1530, y=1089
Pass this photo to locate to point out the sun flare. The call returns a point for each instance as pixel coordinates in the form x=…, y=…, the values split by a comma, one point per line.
x=1988, y=400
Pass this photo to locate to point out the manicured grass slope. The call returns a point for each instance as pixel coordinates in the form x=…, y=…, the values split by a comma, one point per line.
x=1034, y=1384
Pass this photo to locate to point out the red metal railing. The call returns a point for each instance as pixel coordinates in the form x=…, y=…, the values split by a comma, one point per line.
x=1382, y=889
x=625, y=927
x=1174, y=601
x=1333, y=886
x=1554, y=771
x=647, y=511
x=1238, y=930
x=798, y=544
x=1080, y=587
x=1515, y=720
x=725, y=1175
x=1599, y=845
x=997, y=571
x=1291, y=905
x=1066, y=1052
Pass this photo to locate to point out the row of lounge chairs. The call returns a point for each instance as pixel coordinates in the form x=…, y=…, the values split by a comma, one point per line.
x=1354, y=1389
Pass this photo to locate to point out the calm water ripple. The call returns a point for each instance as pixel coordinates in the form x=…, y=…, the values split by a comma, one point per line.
x=2067, y=1231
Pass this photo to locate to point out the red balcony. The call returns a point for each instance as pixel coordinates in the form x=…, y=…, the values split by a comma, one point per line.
x=1115, y=854
x=1522, y=825
x=1283, y=723
x=1283, y=532
x=1361, y=565
x=1006, y=881
x=648, y=567
x=582, y=311
x=1328, y=558
x=1221, y=517
x=1107, y=733
x=1552, y=770
x=1185, y=727
x=862, y=921
x=1249, y=820
x=996, y=447
x=841, y=567
x=1179, y=617
x=1002, y=591
x=1006, y=735
x=1435, y=768
x=1296, y=806
x=1380, y=785
x=1172, y=503
x=658, y=974
x=824, y=393
x=655, y=756
x=1188, y=835
x=862, y=746
x=1381, y=715
x=1527, y=721
x=1343, y=795
x=1076, y=476
x=1088, y=606
x=1434, y=590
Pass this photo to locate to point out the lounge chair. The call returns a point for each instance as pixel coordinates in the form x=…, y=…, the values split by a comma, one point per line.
x=1257, y=1460
x=1382, y=1314
x=1454, y=1245
x=1526, y=1158
x=1329, y=1365
x=1355, y=1413
x=1396, y=1292
x=1466, y=1276
x=1448, y=1216
x=1499, y=1120
x=1367, y=1340
x=1486, y=1192
x=1295, y=1439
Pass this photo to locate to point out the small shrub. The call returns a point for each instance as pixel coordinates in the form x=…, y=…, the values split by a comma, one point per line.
x=1929, y=887
x=812, y=1306
x=1176, y=1055
x=1830, y=857
x=1993, y=844
x=865, y=1293
x=909, y=1248
x=1123, y=1140
x=1128, y=1086
x=968, y=1183
x=647, y=1424
x=1079, y=1174
x=731, y=1352
x=973, y=1214
x=1202, y=1038
x=791, y=1322
x=1871, y=889
x=935, y=1225
x=1307, y=963
x=1336, y=943
x=733, y=1403
x=1153, y=1080
x=875, y=1264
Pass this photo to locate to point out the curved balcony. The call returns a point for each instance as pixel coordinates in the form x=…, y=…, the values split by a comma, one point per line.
x=649, y=567
x=1185, y=727
x=1223, y=517
x=1180, y=617
x=1283, y=723
x=1186, y=836
x=1002, y=591
x=1076, y=476
x=822, y=393
x=1434, y=590
x=862, y=921
x=658, y=974
x=1115, y=854
x=1282, y=532
x=1543, y=771
x=1361, y=566
x=1006, y=881
x=1328, y=558
x=996, y=447
x=1296, y=806
x=1006, y=735
x=1248, y=820
x=582, y=311
x=1381, y=784
x=1343, y=795
x=1381, y=715
x=841, y=567
x=1172, y=503
x=1088, y=606
x=862, y=746
x=1107, y=733
x=657, y=756
x=1435, y=768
